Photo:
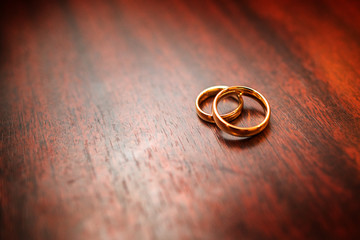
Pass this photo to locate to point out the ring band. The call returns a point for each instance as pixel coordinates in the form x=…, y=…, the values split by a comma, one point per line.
x=232, y=129
x=212, y=91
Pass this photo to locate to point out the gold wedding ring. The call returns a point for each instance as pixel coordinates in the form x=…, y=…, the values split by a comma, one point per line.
x=232, y=129
x=210, y=92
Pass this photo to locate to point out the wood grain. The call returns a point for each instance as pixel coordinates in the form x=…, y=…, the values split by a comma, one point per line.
x=100, y=138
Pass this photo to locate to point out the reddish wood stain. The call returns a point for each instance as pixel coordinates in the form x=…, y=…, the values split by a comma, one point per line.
x=100, y=139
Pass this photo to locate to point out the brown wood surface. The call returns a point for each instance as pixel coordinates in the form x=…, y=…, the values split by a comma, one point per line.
x=100, y=138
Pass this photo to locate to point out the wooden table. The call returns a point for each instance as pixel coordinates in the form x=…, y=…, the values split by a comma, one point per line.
x=100, y=138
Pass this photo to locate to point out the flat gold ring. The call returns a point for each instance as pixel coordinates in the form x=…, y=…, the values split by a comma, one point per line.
x=235, y=130
x=210, y=92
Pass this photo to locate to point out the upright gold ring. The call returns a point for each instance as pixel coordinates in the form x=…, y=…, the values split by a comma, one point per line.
x=210, y=92
x=235, y=130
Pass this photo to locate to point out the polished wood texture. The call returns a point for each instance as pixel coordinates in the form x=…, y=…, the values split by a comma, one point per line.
x=99, y=133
